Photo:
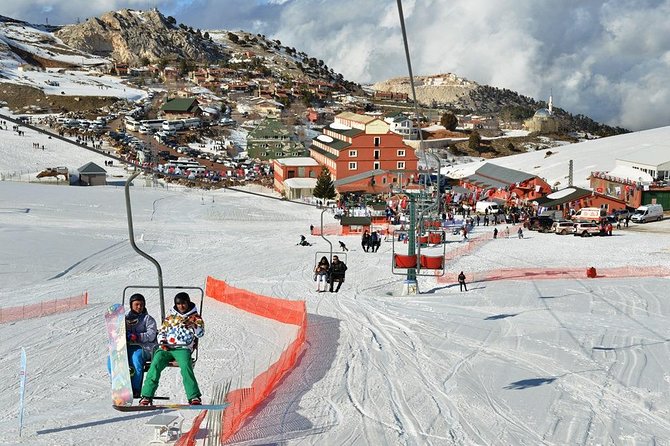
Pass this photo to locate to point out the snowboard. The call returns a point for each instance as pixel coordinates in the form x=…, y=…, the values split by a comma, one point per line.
x=172, y=407
x=115, y=322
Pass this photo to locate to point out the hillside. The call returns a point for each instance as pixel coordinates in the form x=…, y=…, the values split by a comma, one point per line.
x=448, y=91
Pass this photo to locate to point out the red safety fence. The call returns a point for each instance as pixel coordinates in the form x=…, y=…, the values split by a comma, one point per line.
x=43, y=308
x=244, y=401
x=329, y=229
x=558, y=273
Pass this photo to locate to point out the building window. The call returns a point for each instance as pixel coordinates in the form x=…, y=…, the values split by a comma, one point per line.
x=383, y=180
x=264, y=154
x=312, y=174
x=378, y=141
x=401, y=153
x=278, y=154
x=377, y=154
x=401, y=164
x=353, y=166
x=353, y=153
x=376, y=165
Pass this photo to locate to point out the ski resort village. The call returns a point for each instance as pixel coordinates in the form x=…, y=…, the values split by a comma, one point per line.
x=209, y=237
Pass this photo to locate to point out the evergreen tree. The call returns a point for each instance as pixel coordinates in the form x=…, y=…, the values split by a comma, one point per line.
x=449, y=121
x=474, y=141
x=325, y=189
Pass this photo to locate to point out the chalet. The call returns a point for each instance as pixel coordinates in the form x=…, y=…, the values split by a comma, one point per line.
x=180, y=108
x=272, y=140
x=295, y=177
x=508, y=186
x=402, y=125
x=363, y=154
x=90, y=174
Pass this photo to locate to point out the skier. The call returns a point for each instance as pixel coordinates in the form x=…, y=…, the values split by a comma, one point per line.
x=176, y=338
x=343, y=247
x=141, y=336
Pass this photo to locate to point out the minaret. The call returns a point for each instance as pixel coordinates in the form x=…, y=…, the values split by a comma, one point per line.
x=551, y=104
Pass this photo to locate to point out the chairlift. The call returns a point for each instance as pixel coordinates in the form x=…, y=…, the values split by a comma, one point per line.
x=425, y=265
x=160, y=287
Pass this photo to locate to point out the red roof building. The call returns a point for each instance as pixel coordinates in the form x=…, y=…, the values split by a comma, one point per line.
x=363, y=155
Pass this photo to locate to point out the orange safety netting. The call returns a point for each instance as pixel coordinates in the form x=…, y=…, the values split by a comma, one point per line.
x=244, y=401
x=43, y=308
x=330, y=229
x=559, y=273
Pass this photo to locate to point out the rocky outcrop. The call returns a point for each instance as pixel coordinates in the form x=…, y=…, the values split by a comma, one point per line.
x=128, y=36
x=433, y=90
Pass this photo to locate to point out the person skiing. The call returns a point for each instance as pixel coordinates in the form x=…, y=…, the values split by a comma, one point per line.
x=343, y=247
x=176, y=338
x=141, y=338
x=461, y=281
x=337, y=271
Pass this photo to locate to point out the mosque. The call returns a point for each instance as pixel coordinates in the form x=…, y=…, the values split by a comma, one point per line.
x=543, y=121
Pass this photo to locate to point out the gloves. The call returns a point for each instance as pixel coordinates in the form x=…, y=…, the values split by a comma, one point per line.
x=132, y=337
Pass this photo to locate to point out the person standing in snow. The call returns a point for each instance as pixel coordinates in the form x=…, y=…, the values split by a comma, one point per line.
x=176, y=338
x=520, y=232
x=141, y=338
x=495, y=233
x=461, y=281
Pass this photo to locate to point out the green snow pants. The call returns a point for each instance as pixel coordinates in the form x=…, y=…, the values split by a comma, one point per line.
x=161, y=360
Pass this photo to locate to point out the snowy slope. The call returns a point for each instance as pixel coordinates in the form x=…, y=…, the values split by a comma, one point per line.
x=70, y=82
x=588, y=156
x=521, y=362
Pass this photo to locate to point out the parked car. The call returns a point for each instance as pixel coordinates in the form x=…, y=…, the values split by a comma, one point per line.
x=562, y=227
x=541, y=223
x=586, y=229
x=621, y=214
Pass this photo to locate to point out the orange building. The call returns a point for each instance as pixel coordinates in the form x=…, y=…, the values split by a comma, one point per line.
x=363, y=155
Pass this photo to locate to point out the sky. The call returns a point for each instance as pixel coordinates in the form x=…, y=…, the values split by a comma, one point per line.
x=607, y=59
x=563, y=360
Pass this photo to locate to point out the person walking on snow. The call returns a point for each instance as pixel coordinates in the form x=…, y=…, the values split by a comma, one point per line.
x=176, y=338
x=461, y=281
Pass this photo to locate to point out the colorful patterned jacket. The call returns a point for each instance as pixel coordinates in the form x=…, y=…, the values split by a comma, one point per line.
x=181, y=330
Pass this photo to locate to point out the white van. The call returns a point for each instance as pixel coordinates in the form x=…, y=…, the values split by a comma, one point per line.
x=482, y=206
x=648, y=212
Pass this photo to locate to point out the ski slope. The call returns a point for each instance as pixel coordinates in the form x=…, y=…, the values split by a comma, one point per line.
x=578, y=361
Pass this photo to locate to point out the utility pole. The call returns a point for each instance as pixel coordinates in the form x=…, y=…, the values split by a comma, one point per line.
x=570, y=173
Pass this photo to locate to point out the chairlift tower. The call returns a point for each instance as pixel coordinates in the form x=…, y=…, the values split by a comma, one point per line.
x=410, y=286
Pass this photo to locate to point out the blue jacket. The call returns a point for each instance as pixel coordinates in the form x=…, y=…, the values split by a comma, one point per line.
x=144, y=326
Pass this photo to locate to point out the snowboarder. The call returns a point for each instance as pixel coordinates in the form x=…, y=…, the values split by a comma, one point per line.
x=337, y=271
x=141, y=337
x=461, y=281
x=176, y=338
